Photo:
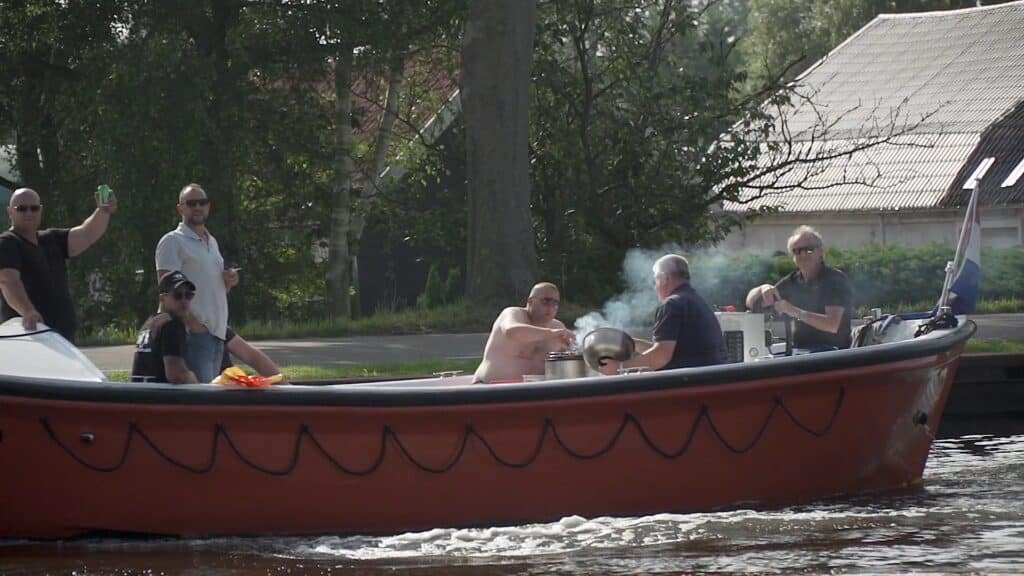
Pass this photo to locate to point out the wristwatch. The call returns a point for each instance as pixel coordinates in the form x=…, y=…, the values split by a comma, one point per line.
x=802, y=316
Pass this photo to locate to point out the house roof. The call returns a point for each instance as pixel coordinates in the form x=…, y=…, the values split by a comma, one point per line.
x=1003, y=181
x=942, y=77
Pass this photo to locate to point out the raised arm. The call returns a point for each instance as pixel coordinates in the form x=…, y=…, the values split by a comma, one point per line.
x=16, y=297
x=86, y=234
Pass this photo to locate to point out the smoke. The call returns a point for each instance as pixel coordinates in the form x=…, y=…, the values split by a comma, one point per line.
x=633, y=310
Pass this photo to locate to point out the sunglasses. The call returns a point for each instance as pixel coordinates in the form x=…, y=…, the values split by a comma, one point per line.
x=187, y=295
x=550, y=301
x=804, y=250
x=28, y=207
x=196, y=202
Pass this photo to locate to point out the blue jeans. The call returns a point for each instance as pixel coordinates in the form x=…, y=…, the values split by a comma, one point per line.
x=205, y=353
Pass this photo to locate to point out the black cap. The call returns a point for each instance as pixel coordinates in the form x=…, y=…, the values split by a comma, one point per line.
x=172, y=280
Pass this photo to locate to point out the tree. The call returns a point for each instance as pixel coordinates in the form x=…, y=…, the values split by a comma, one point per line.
x=362, y=41
x=497, y=50
x=642, y=129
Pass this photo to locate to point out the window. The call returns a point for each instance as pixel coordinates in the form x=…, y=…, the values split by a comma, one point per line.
x=979, y=173
x=1015, y=175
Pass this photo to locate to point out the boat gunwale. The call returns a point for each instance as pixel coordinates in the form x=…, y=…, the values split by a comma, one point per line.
x=398, y=396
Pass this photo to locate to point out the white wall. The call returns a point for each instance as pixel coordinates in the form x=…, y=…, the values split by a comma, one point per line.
x=1000, y=227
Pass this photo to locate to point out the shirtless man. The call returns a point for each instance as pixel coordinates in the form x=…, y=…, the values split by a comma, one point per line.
x=522, y=337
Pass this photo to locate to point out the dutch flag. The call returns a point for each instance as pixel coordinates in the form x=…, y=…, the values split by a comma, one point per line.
x=963, y=291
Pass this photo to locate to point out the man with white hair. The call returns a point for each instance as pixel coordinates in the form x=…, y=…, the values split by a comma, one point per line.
x=686, y=331
x=522, y=337
x=816, y=295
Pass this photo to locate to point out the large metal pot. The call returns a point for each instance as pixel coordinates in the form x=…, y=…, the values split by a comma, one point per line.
x=569, y=364
x=604, y=344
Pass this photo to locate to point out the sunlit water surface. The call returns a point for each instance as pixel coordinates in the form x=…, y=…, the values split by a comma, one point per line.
x=969, y=516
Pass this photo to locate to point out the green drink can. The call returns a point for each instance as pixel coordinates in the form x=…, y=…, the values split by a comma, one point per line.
x=103, y=193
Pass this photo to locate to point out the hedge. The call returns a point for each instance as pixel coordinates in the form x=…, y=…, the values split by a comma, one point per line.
x=881, y=276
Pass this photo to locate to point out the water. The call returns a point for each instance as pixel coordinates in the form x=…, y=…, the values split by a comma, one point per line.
x=968, y=517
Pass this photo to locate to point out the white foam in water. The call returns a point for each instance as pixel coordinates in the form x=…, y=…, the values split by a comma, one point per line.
x=568, y=534
x=574, y=533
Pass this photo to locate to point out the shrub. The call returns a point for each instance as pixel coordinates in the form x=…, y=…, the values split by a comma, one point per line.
x=453, y=286
x=891, y=276
x=433, y=292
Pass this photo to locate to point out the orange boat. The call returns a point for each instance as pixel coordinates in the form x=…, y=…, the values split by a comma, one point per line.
x=84, y=455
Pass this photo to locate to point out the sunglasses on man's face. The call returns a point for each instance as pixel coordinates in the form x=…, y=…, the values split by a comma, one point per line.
x=28, y=207
x=550, y=301
x=196, y=202
x=804, y=250
x=186, y=294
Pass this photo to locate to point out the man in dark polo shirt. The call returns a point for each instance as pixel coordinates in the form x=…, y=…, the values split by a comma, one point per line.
x=686, y=331
x=817, y=296
x=33, y=276
x=163, y=342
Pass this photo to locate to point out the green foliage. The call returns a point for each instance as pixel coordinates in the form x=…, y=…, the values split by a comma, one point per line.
x=148, y=96
x=725, y=280
x=453, y=286
x=629, y=99
x=975, y=346
x=437, y=292
x=892, y=277
x=426, y=209
x=433, y=292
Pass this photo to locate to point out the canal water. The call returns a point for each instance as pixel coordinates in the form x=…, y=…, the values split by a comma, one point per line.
x=968, y=517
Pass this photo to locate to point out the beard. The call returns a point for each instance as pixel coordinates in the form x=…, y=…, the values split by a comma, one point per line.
x=196, y=219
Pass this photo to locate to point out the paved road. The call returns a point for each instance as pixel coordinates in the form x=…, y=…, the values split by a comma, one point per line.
x=363, y=350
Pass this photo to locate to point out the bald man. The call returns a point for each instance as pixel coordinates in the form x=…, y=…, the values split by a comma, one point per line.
x=33, y=275
x=522, y=337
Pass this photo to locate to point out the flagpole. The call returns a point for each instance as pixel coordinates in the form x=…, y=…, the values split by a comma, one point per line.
x=961, y=245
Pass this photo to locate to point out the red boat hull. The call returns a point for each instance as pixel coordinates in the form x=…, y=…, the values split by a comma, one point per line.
x=239, y=466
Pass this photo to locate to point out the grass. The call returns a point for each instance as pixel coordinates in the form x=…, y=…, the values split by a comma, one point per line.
x=994, y=346
x=997, y=306
x=307, y=373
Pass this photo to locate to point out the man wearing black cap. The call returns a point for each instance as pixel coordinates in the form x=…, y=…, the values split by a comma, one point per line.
x=162, y=343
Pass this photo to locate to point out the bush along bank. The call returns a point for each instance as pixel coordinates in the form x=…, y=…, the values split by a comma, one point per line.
x=891, y=277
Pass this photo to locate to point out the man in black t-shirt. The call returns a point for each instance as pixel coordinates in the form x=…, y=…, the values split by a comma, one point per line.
x=162, y=343
x=817, y=296
x=686, y=331
x=33, y=276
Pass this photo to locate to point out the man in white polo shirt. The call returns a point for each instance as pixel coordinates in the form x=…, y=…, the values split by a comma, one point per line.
x=191, y=249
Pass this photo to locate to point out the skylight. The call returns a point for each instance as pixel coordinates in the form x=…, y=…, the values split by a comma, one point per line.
x=1015, y=175
x=979, y=173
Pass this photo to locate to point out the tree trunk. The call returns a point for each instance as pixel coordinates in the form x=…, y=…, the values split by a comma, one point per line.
x=497, y=51
x=396, y=74
x=339, y=259
x=387, y=125
x=228, y=102
x=210, y=29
